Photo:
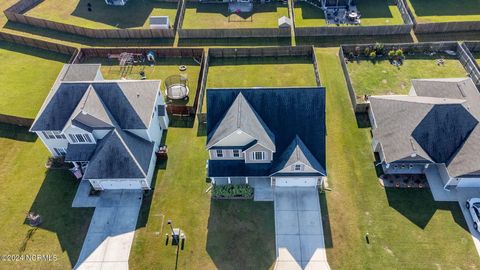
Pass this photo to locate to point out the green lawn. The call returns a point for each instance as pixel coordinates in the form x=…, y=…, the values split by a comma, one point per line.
x=163, y=68
x=135, y=14
x=407, y=229
x=220, y=234
x=216, y=16
x=380, y=77
x=260, y=72
x=26, y=75
x=28, y=186
x=374, y=12
x=432, y=11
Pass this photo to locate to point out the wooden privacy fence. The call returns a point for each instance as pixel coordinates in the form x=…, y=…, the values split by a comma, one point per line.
x=86, y=53
x=464, y=56
x=234, y=33
x=334, y=30
x=16, y=14
x=440, y=27
x=469, y=62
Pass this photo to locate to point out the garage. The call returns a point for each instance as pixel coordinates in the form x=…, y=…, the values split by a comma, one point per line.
x=469, y=182
x=121, y=184
x=295, y=181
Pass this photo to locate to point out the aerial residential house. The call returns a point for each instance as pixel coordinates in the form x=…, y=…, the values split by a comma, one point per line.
x=436, y=125
x=109, y=130
x=276, y=136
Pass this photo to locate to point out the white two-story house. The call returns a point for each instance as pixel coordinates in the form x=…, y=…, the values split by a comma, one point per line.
x=109, y=130
x=264, y=134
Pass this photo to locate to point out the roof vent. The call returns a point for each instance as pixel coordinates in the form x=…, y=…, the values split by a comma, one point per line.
x=138, y=94
x=84, y=112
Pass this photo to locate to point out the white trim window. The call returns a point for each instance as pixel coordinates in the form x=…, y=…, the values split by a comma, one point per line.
x=219, y=153
x=236, y=153
x=60, y=151
x=80, y=138
x=258, y=155
x=52, y=135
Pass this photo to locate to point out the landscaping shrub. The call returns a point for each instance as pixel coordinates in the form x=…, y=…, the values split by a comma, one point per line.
x=372, y=55
x=230, y=191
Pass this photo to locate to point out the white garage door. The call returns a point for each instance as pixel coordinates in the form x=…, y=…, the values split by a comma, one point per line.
x=469, y=182
x=124, y=184
x=295, y=182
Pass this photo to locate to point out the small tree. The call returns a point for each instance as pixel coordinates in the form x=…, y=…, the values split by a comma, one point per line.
x=378, y=47
x=399, y=53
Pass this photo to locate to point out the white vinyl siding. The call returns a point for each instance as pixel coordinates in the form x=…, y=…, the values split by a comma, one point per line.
x=51, y=135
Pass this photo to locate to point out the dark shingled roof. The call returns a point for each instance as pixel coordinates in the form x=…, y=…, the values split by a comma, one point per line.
x=297, y=151
x=120, y=155
x=226, y=168
x=241, y=116
x=287, y=112
x=80, y=152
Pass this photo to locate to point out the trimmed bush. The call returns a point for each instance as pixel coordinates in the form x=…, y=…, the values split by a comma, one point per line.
x=232, y=191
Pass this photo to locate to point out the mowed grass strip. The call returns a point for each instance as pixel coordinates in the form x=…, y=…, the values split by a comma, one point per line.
x=260, y=72
x=217, y=16
x=382, y=78
x=373, y=12
x=135, y=14
x=26, y=74
x=220, y=234
x=407, y=229
x=163, y=68
x=433, y=11
x=29, y=186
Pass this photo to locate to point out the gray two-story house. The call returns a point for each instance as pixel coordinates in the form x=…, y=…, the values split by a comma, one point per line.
x=264, y=134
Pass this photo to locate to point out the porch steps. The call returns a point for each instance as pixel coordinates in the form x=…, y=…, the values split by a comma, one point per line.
x=263, y=194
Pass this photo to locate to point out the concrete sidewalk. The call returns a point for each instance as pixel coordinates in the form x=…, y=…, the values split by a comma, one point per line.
x=298, y=230
x=110, y=235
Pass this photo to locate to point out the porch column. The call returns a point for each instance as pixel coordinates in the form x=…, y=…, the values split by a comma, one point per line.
x=213, y=180
x=246, y=180
x=229, y=180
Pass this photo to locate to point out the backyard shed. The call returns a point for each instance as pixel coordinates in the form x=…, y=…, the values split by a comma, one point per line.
x=159, y=22
x=284, y=22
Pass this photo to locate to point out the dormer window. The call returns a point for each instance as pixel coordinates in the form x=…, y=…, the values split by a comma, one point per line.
x=298, y=167
x=219, y=153
x=80, y=138
x=258, y=155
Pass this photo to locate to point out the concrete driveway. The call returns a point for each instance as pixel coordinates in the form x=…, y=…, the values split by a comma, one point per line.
x=298, y=229
x=110, y=235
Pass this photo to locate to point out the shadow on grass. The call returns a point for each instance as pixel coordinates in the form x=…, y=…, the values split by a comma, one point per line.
x=181, y=121
x=362, y=120
x=40, y=53
x=53, y=203
x=134, y=14
x=419, y=206
x=97, y=42
x=327, y=229
x=445, y=7
x=310, y=12
x=241, y=234
x=228, y=61
x=211, y=42
x=375, y=8
x=334, y=41
x=222, y=8
x=453, y=36
x=16, y=133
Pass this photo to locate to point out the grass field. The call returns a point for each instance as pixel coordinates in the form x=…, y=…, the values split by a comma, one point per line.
x=431, y=11
x=380, y=77
x=163, y=68
x=216, y=16
x=407, y=229
x=26, y=76
x=220, y=234
x=28, y=186
x=374, y=12
x=260, y=72
x=135, y=14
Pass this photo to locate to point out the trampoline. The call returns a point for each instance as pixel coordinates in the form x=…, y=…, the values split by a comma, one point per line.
x=176, y=87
